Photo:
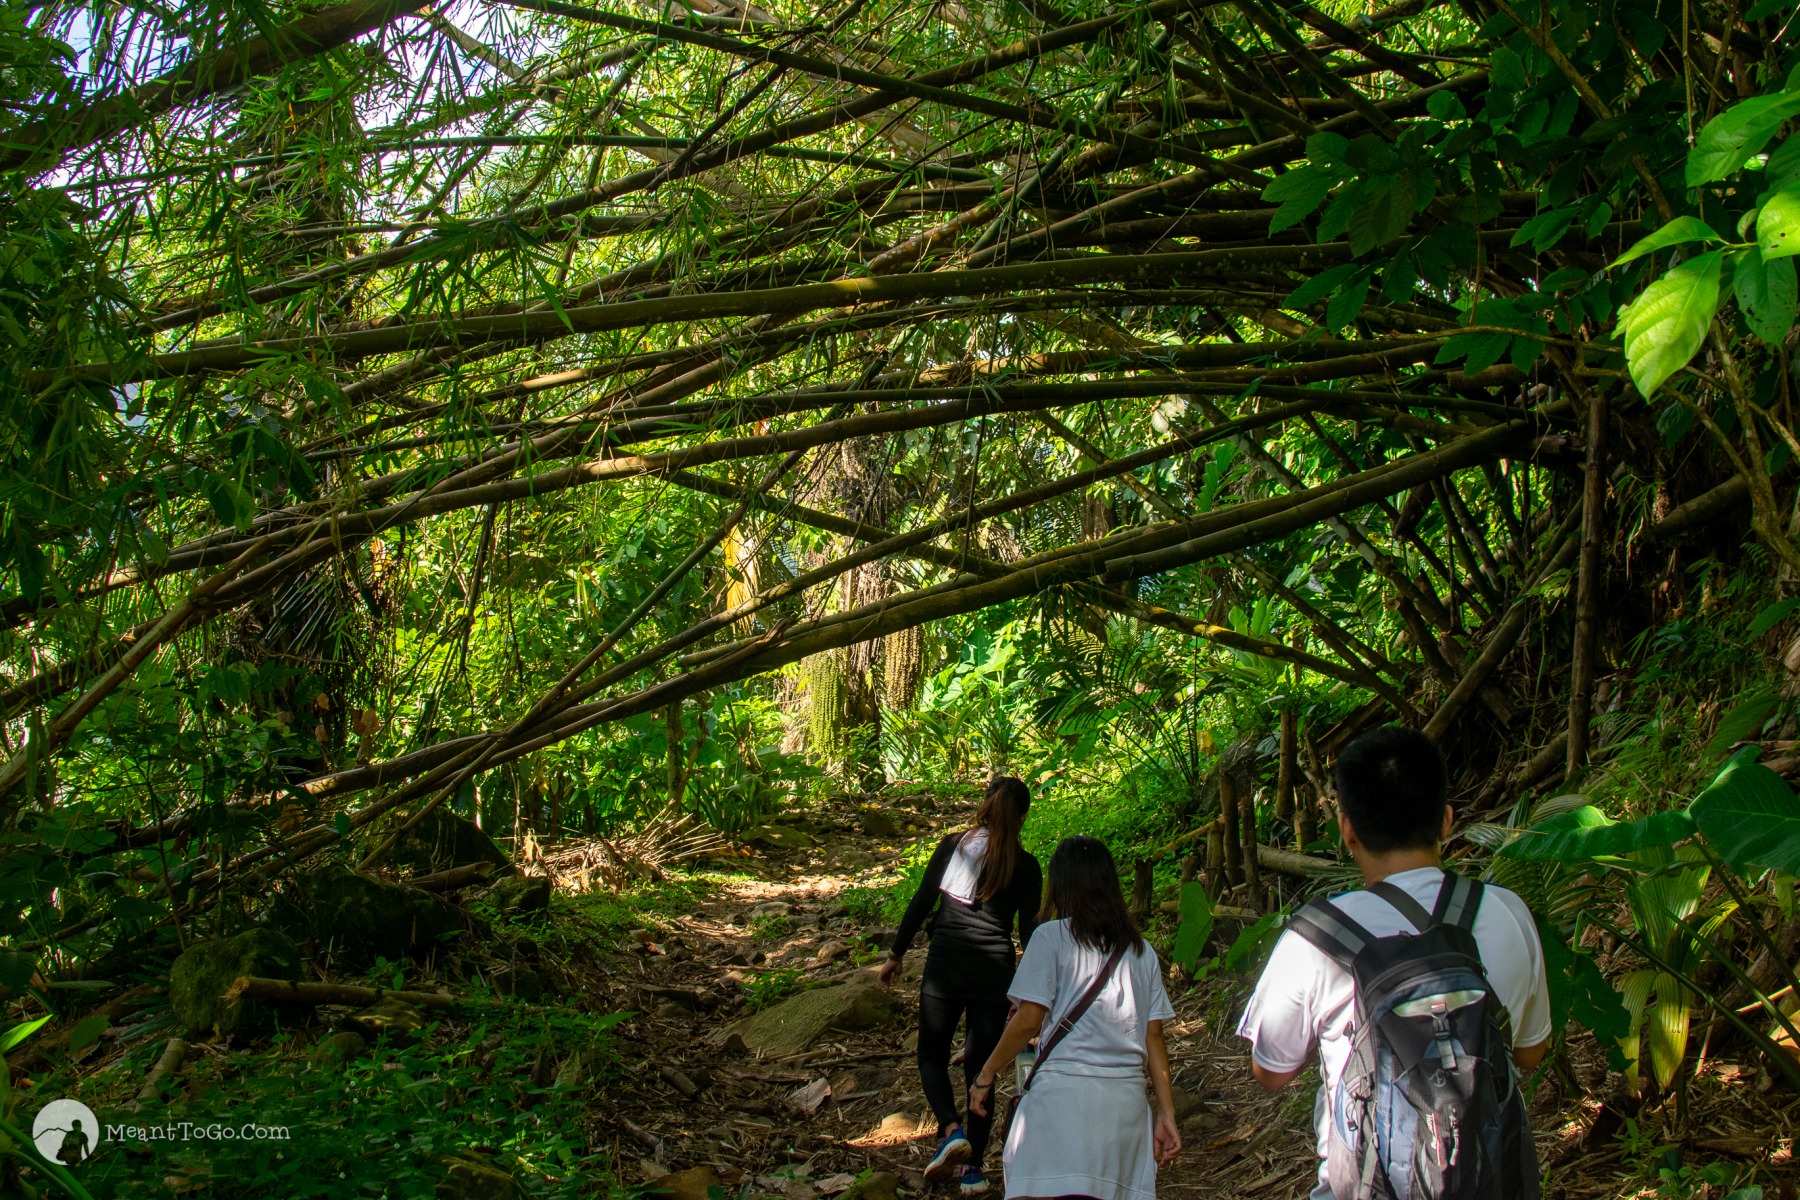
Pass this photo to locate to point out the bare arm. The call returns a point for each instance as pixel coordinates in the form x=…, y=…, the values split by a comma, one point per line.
x=1165, y=1137
x=1018, y=1034
x=1527, y=1058
x=1274, y=1081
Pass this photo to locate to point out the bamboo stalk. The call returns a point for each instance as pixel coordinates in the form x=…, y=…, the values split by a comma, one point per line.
x=1587, y=586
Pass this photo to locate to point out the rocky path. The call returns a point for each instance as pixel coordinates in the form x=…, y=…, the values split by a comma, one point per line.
x=816, y=1094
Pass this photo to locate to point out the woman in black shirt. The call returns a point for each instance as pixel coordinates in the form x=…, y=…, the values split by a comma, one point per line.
x=978, y=883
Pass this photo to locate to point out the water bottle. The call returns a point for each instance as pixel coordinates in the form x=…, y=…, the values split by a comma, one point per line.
x=1023, y=1062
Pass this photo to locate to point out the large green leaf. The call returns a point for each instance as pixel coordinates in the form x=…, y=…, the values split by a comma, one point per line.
x=1766, y=292
x=1678, y=232
x=1196, y=925
x=1750, y=816
x=1729, y=139
x=1778, y=225
x=1665, y=326
x=1385, y=214
x=1300, y=192
x=1587, y=833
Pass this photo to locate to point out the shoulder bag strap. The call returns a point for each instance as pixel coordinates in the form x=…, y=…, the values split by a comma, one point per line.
x=1075, y=1013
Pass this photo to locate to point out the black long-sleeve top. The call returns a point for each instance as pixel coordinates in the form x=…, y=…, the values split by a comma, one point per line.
x=971, y=944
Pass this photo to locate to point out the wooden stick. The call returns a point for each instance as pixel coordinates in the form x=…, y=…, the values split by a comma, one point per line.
x=173, y=1052
x=1587, y=587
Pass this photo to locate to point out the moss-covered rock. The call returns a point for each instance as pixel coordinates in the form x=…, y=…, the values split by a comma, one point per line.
x=441, y=841
x=201, y=977
x=469, y=1176
x=520, y=895
x=798, y=1021
x=356, y=918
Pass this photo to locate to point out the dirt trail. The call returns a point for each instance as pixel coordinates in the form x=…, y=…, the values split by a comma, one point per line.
x=747, y=1119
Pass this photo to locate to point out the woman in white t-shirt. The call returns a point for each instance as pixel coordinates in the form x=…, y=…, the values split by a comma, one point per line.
x=1084, y=1127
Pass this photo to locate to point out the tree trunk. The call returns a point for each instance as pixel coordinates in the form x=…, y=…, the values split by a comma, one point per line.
x=1234, y=846
x=1287, y=767
x=1252, y=867
x=1216, y=881
x=1143, y=891
x=1306, y=818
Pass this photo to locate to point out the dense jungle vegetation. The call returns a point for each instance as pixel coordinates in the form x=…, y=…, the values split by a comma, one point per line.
x=636, y=428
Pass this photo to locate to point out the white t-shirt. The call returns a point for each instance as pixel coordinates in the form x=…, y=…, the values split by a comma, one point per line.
x=1109, y=1038
x=1305, y=998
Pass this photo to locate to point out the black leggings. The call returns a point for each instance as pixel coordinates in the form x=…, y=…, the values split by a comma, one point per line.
x=938, y=1015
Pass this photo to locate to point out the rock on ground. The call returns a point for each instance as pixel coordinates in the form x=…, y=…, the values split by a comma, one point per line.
x=444, y=840
x=355, y=918
x=470, y=1177
x=794, y=1024
x=200, y=977
x=695, y=1183
x=519, y=895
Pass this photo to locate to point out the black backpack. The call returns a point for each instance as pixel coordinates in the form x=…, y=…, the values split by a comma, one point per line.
x=1428, y=1106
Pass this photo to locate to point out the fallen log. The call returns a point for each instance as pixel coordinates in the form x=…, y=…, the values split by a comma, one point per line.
x=251, y=987
x=1228, y=912
x=1289, y=863
x=455, y=877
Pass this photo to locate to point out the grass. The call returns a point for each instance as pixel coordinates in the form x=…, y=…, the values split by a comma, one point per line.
x=770, y=927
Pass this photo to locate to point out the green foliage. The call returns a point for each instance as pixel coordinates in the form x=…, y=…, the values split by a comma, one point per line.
x=393, y=1098
x=1665, y=326
x=768, y=987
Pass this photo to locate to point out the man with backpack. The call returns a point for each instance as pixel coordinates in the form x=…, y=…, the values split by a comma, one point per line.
x=1424, y=994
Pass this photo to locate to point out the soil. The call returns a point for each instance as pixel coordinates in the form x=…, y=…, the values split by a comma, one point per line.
x=805, y=1126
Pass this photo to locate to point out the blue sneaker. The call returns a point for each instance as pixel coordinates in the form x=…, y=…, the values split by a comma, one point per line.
x=952, y=1153
x=974, y=1183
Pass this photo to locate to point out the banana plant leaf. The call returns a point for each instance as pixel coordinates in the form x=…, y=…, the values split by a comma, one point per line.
x=1586, y=833
x=1750, y=816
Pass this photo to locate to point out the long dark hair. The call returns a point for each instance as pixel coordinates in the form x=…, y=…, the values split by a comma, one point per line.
x=1082, y=885
x=1002, y=812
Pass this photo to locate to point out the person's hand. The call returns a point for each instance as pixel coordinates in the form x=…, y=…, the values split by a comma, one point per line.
x=884, y=974
x=979, y=1096
x=1165, y=1138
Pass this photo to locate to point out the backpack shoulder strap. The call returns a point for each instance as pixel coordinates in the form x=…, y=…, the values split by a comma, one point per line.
x=1329, y=928
x=1458, y=901
x=1409, y=908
